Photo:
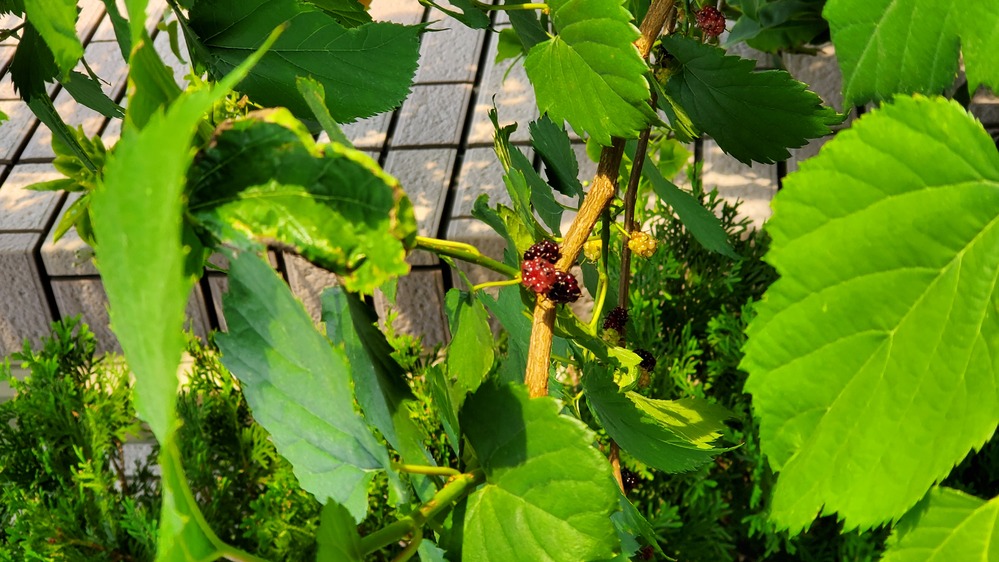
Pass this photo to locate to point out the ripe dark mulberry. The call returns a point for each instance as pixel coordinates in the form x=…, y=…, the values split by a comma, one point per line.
x=629, y=479
x=537, y=275
x=648, y=360
x=711, y=21
x=564, y=289
x=616, y=319
x=646, y=553
x=546, y=249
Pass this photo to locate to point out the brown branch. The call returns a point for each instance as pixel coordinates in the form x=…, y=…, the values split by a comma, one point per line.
x=601, y=193
x=630, y=198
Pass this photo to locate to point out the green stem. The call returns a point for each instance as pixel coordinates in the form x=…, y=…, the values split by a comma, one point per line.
x=425, y=470
x=235, y=555
x=411, y=548
x=464, y=252
x=458, y=487
x=510, y=7
x=598, y=304
x=504, y=283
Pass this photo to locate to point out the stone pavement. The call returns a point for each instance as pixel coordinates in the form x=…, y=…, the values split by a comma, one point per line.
x=438, y=144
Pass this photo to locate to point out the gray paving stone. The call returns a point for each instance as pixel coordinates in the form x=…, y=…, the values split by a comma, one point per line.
x=400, y=11
x=425, y=175
x=24, y=313
x=513, y=96
x=481, y=173
x=367, y=133
x=10, y=21
x=308, y=282
x=755, y=185
x=154, y=12
x=451, y=54
x=180, y=68
x=15, y=130
x=420, y=304
x=86, y=297
x=91, y=12
x=23, y=209
x=985, y=106
x=432, y=115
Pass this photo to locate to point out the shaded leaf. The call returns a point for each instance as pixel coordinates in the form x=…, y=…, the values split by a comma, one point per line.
x=463, y=11
x=886, y=312
x=315, y=97
x=552, y=143
x=297, y=385
x=349, y=13
x=886, y=47
x=549, y=493
x=55, y=21
x=365, y=70
x=751, y=115
x=337, y=536
x=670, y=435
x=121, y=28
x=946, y=525
x=87, y=91
x=264, y=179
x=778, y=24
x=470, y=355
x=702, y=223
x=591, y=74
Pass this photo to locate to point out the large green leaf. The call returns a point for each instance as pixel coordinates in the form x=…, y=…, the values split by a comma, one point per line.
x=365, y=70
x=772, y=25
x=298, y=386
x=264, y=179
x=886, y=47
x=670, y=435
x=549, y=494
x=591, y=74
x=947, y=525
x=337, y=537
x=552, y=143
x=55, y=21
x=751, y=115
x=873, y=361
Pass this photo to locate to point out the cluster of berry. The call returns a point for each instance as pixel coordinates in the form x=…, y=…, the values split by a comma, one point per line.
x=538, y=273
x=710, y=20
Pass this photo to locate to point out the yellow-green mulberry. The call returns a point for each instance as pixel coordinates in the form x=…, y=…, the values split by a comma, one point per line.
x=642, y=244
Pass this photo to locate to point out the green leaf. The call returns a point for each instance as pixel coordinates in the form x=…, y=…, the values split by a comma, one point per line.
x=470, y=355
x=751, y=115
x=548, y=494
x=886, y=47
x=507, y=224
x=122, y=31
x=508, y=309
x=873, y=361
x=184, y=535
x=337, y=536
x=297, y=385
x=365, y=70
x=32, y=66
x=379, y=381
x=87, y=91
x=315, y=97
x=670, y=435
x=508, y=45
x=350, y=13
x=466, y=13
x=946, y=525
x=552, y=143
x=55, y=21
x=527, y=25
x=702, y=223
x=264, y=179
x=591, y=74
x=778, y=24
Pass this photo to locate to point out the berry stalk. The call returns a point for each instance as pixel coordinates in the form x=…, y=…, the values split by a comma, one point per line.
x=601, y=193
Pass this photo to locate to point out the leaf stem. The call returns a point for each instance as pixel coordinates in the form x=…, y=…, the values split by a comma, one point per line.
x=425, y=470
x=504, y=283
x=601, y=193
x=457, y=488
x=510, y=7
x=464, y=252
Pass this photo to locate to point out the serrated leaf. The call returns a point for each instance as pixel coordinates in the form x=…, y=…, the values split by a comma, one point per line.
x=947, y=525
x=365, y=70
x=315, y=97
x=591, y=74
x=886, y=47
x=337, y=537
x=751, y=115
x=548, y=494
x=702, y=223
x=552, y=143
x=121, y=28
x=670, y=435
x=297, y=385
x=55, y=21
x=264, y=179
x=463, y=11
x=470, y=355
x=87, y=92
x=778, y=24
x=886, y=312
